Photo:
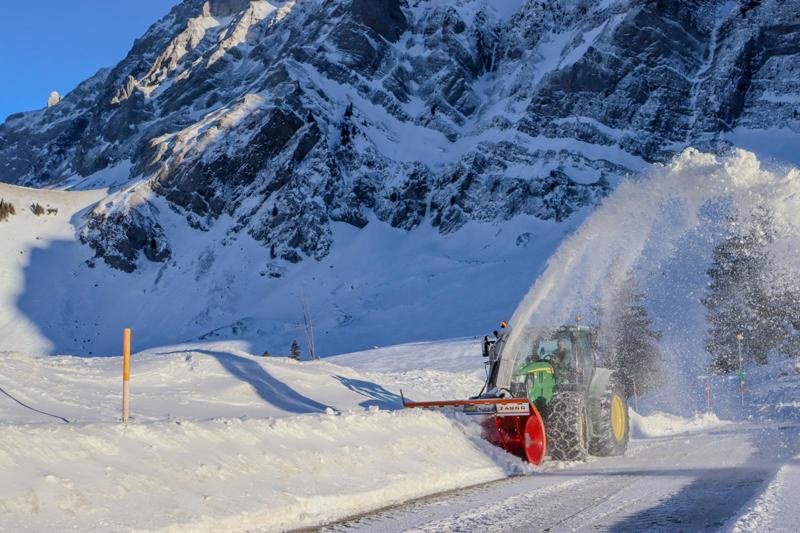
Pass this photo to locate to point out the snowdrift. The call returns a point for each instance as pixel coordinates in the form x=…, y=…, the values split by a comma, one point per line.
x=223, y=440
x=660, y=424
x=230, y=474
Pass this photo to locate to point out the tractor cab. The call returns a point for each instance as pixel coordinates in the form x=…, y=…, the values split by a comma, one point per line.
x=563, y=358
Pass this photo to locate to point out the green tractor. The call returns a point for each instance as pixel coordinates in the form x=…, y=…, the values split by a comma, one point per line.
x=584, y=407
x=545, y=394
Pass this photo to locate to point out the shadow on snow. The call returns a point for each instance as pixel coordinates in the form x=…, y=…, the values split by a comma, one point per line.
x=377, y=395
x=270, y=389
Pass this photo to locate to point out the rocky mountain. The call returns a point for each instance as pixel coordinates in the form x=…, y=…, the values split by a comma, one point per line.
x=284, y=118
x=290, y=115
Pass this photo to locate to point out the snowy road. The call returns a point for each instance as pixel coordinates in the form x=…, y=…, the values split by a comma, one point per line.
x=689, y=482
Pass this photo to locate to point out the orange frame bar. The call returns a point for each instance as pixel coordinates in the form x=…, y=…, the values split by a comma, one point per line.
x=479, y=401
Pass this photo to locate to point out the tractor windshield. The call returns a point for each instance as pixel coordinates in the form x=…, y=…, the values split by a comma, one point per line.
x=550, y=348
x=557, y=350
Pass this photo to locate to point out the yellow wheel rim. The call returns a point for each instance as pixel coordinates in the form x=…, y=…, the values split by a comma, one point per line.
x=618, y=417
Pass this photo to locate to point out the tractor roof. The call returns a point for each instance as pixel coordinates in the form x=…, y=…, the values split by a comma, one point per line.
x=576, y=328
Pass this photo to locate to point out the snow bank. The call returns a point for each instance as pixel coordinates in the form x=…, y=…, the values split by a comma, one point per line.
x=231, y=474
x=224, y=440
x=664, y=424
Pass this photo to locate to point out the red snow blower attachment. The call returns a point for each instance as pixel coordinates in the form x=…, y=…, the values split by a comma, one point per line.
x=513, y=424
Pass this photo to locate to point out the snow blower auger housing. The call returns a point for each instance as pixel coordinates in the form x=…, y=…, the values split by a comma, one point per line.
x=544, y=392
x=513, y=424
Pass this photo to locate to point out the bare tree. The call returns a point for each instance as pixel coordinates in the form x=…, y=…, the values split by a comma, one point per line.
x=308, y=326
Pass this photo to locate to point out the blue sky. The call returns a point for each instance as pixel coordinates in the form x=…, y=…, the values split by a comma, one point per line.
x=52, y=45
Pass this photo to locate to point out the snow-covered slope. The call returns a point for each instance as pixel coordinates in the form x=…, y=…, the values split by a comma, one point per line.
x=24, y=239
x=379, y=285
x=240, y=137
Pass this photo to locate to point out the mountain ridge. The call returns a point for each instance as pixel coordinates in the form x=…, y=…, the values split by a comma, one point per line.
x=279, y=122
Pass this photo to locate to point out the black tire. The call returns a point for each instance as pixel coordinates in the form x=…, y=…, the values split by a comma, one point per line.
x=566, y=427
x=604, y=440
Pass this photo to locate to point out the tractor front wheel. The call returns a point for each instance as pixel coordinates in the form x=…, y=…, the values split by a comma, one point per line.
x=566, y=427
x=612, y=428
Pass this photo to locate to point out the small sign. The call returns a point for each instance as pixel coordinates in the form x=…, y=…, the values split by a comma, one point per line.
x=513, y=409
x=479, y=409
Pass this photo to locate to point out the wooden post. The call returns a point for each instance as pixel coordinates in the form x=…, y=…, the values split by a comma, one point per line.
x=126, y=374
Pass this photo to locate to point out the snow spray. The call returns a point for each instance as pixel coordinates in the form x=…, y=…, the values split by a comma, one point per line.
x=663, y=226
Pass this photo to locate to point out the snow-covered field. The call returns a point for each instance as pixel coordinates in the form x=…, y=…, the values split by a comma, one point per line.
x=221, y=440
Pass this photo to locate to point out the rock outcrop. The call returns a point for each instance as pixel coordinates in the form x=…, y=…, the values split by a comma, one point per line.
x=287, y=117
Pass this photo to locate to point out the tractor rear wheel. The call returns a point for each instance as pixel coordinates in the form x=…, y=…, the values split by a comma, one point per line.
x=566, y=427
x=612, y=428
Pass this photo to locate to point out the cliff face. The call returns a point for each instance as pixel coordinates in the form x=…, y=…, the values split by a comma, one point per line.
x=288, y=117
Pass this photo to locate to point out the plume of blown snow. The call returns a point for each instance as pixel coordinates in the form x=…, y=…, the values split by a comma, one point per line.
x=663, y=226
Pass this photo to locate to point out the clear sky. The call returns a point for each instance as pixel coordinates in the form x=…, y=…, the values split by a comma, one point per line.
x=52, y=45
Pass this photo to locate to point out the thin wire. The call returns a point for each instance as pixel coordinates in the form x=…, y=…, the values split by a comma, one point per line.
x=32, y=408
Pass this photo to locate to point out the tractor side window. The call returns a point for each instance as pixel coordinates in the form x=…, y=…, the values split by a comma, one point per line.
x=584, y=356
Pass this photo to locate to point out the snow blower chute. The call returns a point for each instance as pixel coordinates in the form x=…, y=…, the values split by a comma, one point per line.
x=513, y=424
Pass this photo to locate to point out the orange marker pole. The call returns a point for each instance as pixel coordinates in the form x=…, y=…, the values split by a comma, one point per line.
x=126, y=374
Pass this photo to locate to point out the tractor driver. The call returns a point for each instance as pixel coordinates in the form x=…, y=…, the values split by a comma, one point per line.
x=560, y=358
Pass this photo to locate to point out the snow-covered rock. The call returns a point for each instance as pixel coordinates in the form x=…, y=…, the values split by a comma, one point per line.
x=53, y=99
x=292, y=116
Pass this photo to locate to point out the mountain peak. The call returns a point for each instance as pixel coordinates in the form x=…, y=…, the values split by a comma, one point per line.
x=288, y=118
x=225, y=8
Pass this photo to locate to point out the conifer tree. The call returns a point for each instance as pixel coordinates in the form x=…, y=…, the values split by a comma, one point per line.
x=740, y=300
x=631, y=341
x=295, y=351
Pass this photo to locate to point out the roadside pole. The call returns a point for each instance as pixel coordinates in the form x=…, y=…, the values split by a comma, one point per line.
x=126, y=374
x=740, y=373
